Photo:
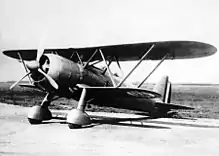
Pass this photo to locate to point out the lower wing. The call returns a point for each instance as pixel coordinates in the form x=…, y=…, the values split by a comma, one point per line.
x=128, y=98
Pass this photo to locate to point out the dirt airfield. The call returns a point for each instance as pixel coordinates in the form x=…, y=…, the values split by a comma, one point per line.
x=110, y=134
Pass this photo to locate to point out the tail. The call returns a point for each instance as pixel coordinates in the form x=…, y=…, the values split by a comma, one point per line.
x=164, y=87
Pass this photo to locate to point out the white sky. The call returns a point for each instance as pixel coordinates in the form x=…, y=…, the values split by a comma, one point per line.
x=62, y=23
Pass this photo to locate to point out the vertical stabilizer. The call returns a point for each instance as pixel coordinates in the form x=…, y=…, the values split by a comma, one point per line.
x=163, y=87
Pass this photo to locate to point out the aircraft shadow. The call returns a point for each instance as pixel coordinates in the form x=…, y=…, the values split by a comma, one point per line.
x=144, y=122
x=100, y=120
x=56, y=120
x=173, y=115
x=120, y=122
x=63, y=121
x=196, y=125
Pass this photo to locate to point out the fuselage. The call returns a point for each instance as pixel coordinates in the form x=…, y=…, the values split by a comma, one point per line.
x=68, y=74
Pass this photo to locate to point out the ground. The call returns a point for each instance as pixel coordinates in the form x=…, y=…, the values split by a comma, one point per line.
x=110, y=134
x=119, y=133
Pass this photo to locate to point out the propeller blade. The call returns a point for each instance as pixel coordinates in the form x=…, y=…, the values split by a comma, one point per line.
x=40, y=49
x=40, y=52
x=12, y=86
x=25, y=67
x=51, y=81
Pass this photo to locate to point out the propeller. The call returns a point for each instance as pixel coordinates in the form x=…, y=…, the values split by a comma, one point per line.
x=35, y=66
x=51, y=81
x=12, y=86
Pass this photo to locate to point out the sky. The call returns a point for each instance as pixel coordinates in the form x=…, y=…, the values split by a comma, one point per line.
x=71, y=23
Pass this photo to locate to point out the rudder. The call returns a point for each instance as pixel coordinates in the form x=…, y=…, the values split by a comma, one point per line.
x=164, y=88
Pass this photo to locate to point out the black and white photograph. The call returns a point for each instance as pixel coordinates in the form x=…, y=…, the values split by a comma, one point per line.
x=110, y=77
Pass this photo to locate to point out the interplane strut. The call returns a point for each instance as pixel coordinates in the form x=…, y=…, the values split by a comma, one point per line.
x=133, y=69
x=142, y=82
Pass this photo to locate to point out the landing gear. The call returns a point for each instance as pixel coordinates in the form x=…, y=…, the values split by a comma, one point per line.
x=77, y=118
x=37, y=114
x=34, y=121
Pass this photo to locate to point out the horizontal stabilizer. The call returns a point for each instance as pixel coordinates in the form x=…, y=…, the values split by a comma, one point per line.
x=170, y=106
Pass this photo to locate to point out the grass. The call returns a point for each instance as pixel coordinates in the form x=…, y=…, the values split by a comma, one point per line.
x=204, y=98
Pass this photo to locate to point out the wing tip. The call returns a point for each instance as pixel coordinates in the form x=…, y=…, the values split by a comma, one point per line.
x=208, y=48
x=200, y=49
x=27, y=54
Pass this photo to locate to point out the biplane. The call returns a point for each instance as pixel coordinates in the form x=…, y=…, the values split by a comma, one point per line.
x=74, y=73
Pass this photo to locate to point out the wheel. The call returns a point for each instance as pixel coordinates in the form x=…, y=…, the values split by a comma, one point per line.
x=37, y=114
x=77, y=119
x=34, y=121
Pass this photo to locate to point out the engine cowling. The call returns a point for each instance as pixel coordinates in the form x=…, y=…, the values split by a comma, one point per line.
x=63, y=71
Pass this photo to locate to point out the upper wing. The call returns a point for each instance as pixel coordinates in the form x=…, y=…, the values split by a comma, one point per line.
x=127, y=52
